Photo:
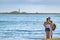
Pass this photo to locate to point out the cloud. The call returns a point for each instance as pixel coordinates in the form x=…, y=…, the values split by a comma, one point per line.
x=33, y=2
x=35, y=5
x=30, y=0
x=53, y=0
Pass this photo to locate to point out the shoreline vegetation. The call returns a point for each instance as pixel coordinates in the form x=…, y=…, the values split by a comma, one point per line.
x=17, y=12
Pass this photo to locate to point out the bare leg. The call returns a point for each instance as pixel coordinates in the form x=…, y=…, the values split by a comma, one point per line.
x=51, y=34
x=47, y=35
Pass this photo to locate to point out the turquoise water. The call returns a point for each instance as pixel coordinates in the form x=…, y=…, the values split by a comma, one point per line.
x=26, y=26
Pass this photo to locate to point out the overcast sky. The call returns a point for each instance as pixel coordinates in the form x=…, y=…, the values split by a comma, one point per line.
x=41, y=6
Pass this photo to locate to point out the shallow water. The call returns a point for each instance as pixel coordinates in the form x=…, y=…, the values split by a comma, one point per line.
x=26, y=26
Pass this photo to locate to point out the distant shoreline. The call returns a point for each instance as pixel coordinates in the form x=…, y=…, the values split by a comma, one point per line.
x=18, y=12
x=30, y=13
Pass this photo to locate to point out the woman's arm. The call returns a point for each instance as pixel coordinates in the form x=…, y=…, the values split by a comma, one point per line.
x=44, y=24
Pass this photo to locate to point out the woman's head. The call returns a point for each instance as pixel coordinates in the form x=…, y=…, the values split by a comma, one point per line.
x=48, y=19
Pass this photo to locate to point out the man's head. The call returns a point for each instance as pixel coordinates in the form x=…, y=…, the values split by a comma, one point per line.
x=49, y=18
x=51, y=21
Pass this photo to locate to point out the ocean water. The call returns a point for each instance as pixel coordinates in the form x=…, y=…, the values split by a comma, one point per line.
x=26, y=26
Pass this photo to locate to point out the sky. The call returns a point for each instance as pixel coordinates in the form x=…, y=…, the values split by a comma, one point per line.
x=30, y=6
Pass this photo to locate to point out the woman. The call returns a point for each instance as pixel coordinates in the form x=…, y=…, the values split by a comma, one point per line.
x=48, y=29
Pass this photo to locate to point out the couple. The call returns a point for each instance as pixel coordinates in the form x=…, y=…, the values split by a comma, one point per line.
x=49, y=26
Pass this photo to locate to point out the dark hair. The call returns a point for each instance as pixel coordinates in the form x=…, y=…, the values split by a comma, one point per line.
x=47, y=19
x=51, y=21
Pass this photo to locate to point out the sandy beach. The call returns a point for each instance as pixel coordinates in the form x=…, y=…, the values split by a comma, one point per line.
x=56, y=39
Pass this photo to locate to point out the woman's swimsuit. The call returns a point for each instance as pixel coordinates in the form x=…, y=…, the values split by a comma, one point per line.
x=48, y=28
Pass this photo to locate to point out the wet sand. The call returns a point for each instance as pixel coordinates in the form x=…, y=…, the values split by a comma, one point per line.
x=52, y=39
